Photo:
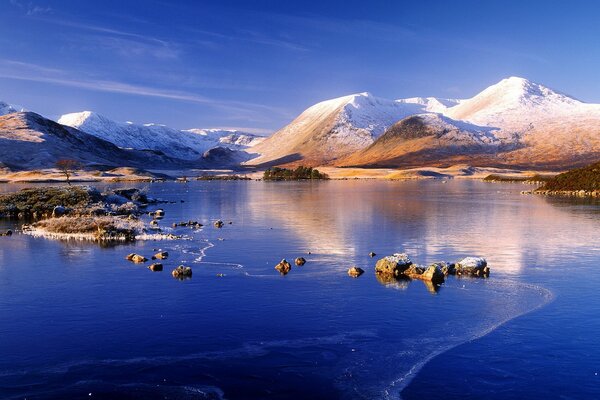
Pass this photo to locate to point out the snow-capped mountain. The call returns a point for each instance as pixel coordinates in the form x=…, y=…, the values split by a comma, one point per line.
x=334, y=128
x=6, y=108
x=187, y=145
x=514, y=122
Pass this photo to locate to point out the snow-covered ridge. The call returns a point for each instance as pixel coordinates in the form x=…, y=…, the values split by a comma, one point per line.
x=184, y=144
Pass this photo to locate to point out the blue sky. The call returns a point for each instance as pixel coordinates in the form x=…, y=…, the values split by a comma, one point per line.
x=257, y=64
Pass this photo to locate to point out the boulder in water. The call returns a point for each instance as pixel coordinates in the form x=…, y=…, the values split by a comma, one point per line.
x=182, y=272
x=218, y=224
x=300, y=261
x=136, y=258
x=472, y=266
x=355, y=272
x=283, y=267
x=393, y=265
x=156, y=267
x=162, y=255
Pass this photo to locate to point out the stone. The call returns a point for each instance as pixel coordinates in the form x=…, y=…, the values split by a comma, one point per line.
x=136, y=258
x=393, y=265
x=7, y=233
x=433, y=273
x=218, y=224
x=300, y=261
x=182, y=272
x=283, y=267
x=153, y=223
x=156, y=267
x=355, y=272
x=58, y=211
x=371, y=254
x=159, y=213
x=472, y=266
x=162, y=255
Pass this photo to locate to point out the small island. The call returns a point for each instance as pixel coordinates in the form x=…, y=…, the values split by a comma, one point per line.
x=300, y=173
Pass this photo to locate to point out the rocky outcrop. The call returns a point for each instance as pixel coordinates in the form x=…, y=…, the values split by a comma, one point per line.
x=355, y=272
x=284, y=267
x=393, y=265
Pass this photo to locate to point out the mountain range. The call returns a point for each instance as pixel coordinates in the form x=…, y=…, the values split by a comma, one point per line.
x=514, y=123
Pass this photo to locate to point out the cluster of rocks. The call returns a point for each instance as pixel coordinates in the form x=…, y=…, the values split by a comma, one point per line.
x=569, y=193
x=7, y=233
x=284, y=267
x=399, y=265
x=190, y=223
x=181, y=272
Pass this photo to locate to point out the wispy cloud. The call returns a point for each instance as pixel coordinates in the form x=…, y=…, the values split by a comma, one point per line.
x=249, y=36
x=30, y=8
x=12, y=69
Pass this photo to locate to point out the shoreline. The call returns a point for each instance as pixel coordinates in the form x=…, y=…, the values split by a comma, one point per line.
x=125, y=174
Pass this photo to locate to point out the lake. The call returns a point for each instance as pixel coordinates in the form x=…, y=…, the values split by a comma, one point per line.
x=79, y=321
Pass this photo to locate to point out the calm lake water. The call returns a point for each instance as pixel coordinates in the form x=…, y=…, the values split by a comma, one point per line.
x=79, y=321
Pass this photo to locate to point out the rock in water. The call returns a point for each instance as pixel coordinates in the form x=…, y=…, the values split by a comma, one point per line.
x=300, y=261
x=283, y=267
x=159, y=213
x=355, y=272
x=218, y=224
x=474, y=266
x=393, y=265
x=433, y=273
x=372, y=254
x=156, y=267
x=7, y=233
x=182, y=272
x=163, y=255
x=136, y=258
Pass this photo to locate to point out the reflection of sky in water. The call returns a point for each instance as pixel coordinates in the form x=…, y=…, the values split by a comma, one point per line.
x=254, y=332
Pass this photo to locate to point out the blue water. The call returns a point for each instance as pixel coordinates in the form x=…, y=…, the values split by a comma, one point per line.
x=79, y=321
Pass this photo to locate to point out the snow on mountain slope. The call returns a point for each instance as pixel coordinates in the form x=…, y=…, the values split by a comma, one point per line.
x=513, y=103
x=333, y=129
x=6, y=108
x=230, y=138
x=431, y=104
x=187, y=145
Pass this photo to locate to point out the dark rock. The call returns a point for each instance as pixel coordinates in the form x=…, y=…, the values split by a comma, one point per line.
x=371, y=254
x=300, y=261
x=156, y=267
x=218, y=224
x=58, y=211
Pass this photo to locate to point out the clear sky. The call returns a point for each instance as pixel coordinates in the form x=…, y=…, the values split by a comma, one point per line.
x=257, y=64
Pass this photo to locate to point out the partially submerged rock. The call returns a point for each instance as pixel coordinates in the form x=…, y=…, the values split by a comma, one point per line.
x=393, y=265
x=300, y=261
x=182, y=272
x=136, y=258
x=432, y=274
x=355, y=272
x=472, y=266
x=372, y=254
x=162, y=255
x=7, y=233
x=156, y=267
x=218, y=224
x=283, y=267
